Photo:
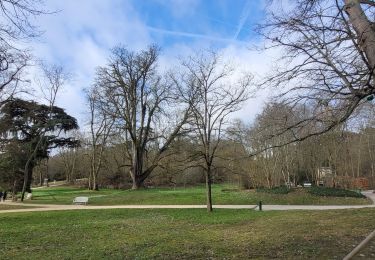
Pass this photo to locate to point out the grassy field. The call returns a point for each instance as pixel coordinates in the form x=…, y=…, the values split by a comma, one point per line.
x=222, y=194
x=183, y=234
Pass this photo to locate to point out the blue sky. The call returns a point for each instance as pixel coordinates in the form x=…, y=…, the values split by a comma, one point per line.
x=219, y=21
x=81, y=34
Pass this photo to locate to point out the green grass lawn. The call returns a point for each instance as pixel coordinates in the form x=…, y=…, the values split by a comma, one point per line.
x=183, y=234
x=222, y=194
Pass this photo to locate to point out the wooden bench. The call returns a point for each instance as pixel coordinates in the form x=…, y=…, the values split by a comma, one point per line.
x=81, y=200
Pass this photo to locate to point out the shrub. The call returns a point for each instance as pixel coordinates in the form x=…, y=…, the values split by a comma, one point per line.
x=334, y=192
x=275, y=190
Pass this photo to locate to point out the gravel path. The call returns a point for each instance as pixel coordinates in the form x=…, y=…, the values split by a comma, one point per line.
x=45, y=207
x=51, y=207
x=369, y=194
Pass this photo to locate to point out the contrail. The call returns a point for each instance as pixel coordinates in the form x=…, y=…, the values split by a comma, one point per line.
x=244, y=15
x=191, y=35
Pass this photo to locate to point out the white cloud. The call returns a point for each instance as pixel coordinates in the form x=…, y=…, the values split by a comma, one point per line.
x=242, y=59
x=82, y=33
x=80, y=36
x=246, y=60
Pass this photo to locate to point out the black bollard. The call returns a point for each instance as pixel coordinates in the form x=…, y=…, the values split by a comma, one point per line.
x=260, y=205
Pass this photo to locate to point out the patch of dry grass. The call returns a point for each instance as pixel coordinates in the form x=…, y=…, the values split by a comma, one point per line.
x=6, y=207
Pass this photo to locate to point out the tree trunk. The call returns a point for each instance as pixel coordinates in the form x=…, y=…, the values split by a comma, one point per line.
x=27, y=181
x=359, y=156
x=208, y=189
x=95, y=185
x=96, y=165
x=137, y=182
x=136, y=171
x=92, y=170
x=93, y=179
x=363, y=28
x=14, y=191
x=40, y=178
x=72, y=171
x=90, y=181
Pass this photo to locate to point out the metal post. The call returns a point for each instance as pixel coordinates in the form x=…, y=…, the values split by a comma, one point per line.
x=260, y=205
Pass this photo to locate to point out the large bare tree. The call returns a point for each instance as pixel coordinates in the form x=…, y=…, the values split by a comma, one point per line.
x=328, y=60
x=146, y=107
x=216, y=95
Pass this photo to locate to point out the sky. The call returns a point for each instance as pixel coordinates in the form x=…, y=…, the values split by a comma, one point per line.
x=80, y=34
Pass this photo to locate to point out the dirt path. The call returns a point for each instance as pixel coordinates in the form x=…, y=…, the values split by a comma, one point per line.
x=52, y=207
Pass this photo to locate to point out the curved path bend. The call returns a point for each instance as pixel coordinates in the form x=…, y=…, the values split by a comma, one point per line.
x=53, y=207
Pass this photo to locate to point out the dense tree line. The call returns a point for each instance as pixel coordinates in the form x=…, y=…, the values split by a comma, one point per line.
x=347, y=150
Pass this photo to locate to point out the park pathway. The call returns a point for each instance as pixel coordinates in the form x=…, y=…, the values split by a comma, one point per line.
x=52, y=207
x=369, y=194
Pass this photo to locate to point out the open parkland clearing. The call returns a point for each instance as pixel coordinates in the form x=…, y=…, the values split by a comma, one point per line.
x=186, y=233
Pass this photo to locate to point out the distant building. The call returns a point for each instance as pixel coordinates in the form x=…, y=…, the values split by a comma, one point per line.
x=327, y=177
x=324, y=176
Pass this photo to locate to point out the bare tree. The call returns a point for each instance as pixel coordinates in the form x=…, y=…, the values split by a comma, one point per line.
x=215, y=97
x=17, y=20
x=12, y=65
x=69, y=158
x=147, y=108
x=101, y=126
x=16, y=26
x=328, y=60
x=275, y=155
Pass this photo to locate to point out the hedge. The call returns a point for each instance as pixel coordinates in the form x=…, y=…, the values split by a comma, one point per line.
x=334, y=192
